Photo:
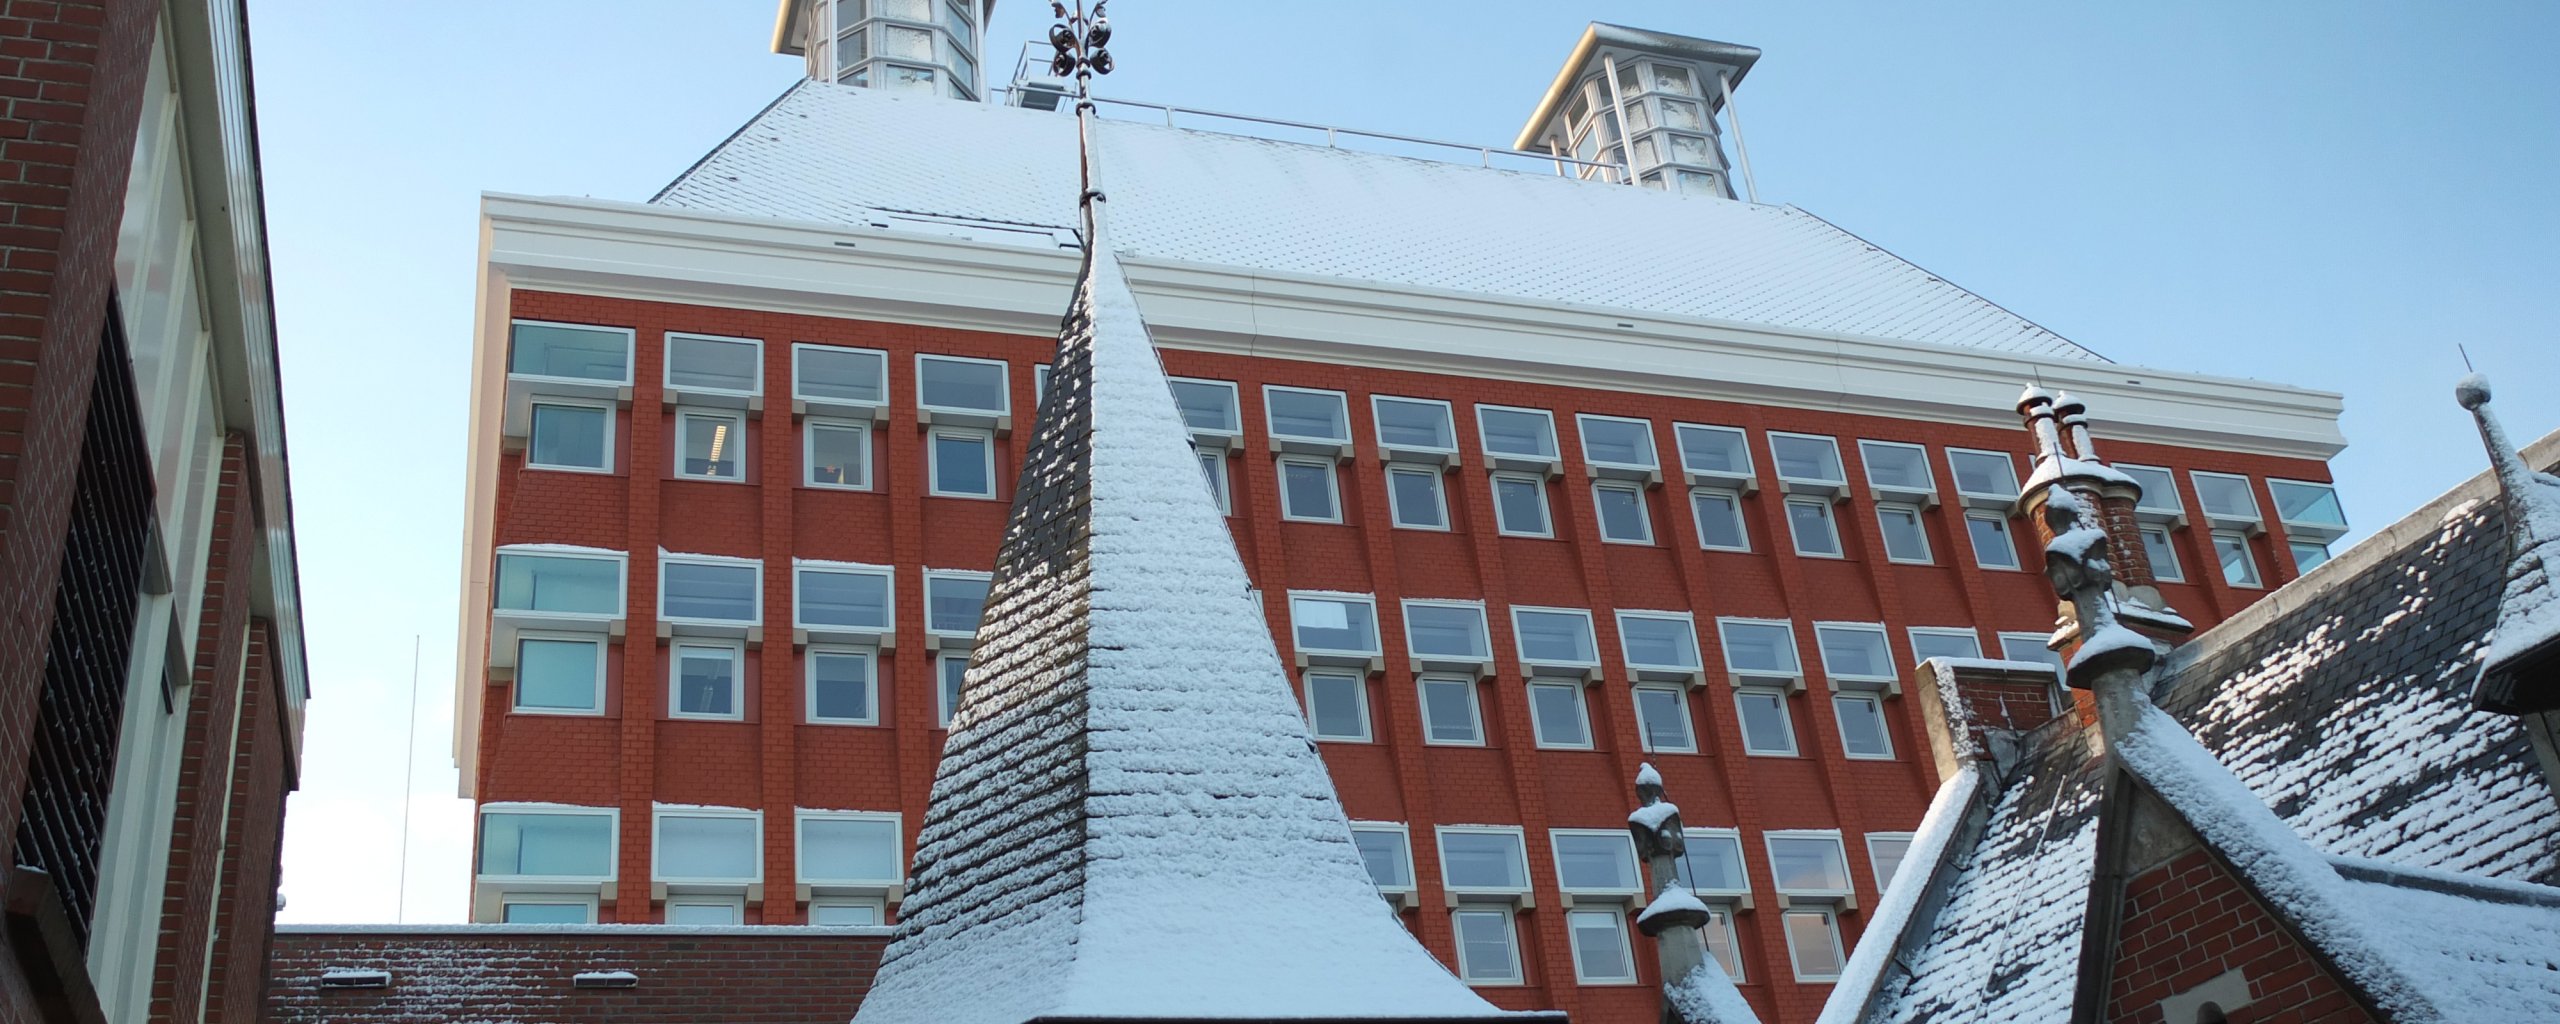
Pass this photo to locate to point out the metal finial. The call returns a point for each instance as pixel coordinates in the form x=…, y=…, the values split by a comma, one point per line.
x=1079, y=39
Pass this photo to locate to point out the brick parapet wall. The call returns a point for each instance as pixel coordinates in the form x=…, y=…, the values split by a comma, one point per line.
x=773, y=975
x=2189, y=921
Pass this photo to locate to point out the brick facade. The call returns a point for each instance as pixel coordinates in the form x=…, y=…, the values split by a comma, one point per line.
x=2187, y=922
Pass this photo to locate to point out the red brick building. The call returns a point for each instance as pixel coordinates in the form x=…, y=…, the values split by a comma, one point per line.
x=1694, y=483
x=151, y=667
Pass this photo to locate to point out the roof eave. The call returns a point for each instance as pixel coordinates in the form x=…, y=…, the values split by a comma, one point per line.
x=1736, y=56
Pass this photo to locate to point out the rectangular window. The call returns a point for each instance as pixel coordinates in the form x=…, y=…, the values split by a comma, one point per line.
x=578, y=352
x=842, y=912
x=1885, y=851
x=1558, y=716
x=2308, y=508
x=1766, y=729
x=1809, y=521
x=709, y=846
x=1213, y=470
x=1986, y=475
x=699, y=589
x=839, y=376
x=1992, y=546
x=1809, y=863
x=2239, y=564
x=2164, y=555
x=1527, y=435
x=842, y=688
x=701, y=362
x=1862, y=730
x=2159, y=490
x=1208, y=406
x=546, y=842
x=1307, y=491
x=1719, y=515
x=1942, y=642
x=1334, y=623
x=714, y=911
x=704, y=678
x=1897, y=468
x=954, y=384
x=1807, y=459
x=2030, y=647
x=1662, y=713
x=571, y=435
x=841, y=598
x=1414, y=500
x=1039, y=384
x=1721, y=452
x=1617, y=441
x=559, y=675
x=1905, y=538
x=1713, y=868
x=1718, y=934
x=1385, y=849
x=1623, y=519
x=1558, y=637
x=1765, y=648
x=1449, y=713
x=1338, y=706
x=962, y=463
x=1520, y=505
x=1306, y=414
x=1487, y=954
x=1446, y=631
x=1855, y=652
x=1660, y=641
x=551, y=910
x=2308, y=555
x=950, y=668
x=1813, y=944
x=954, y=601
x=561, y=584
x=711, y=445
x=1600, y=946
x=850, y=848
x=1483, y=860
x=2225, y=496
x=1414, y=425
x=837, y=454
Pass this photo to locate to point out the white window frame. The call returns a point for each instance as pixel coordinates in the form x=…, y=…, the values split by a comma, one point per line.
x=1297, y=637
x=1404, y=851
x=876, y=409
x=1439, y=498
x=1617, y=916
x=1737, y=481
x=809, y=429
x=737, y=682
x=1213, y=470
x=1887, y=679
x=2175, y=569
x=1688, y=727
x=1332, y=486
x=1467, y=971
x=1644, y=514
x=1728, y=952
x=516, y=686
x=1519, y=845
x=1847, y=892
x=668, y=558
x=1338, y=447
x=658, y=815
x=621, y=586
x=809, y=682
x=950, y=637
x=933, y=461
x=735, y=905
x=1448, y=420
x=2256, y=580
x=1622, y=841
x=1883, y=880
x=1884, y=729
x=1786, y=718
x=1524, y=461
x=586, y=903
x=880, y=634
x=800, y=819
x=685, y=415
x=947, y=692
x=1475, y=707
x=1538, y=486
x=1741, y=523
x=1924, y=495
x=1795, y=963
x=1687, y=623
x=1359, y=682
x=2165, y=506
x=612, y=849
x=667, y=367
x=1581, y=706
x=2255, y=517
x=1833, y=488
x=2046, y=657
x=2307, y=529
x=1651, y=469
x=1967, y=632
x=1234, y=427
x=612, y=424
x=1004, y=389
x=1478, y=663
x=1547, y=666
x=1974, y=544
x=1984, y=499
x=1741, y=863
x=878, y=907
x=1795, y=655
x=630, y=353
x=2296, y=546
x=1830, y=523
x=1919, y=529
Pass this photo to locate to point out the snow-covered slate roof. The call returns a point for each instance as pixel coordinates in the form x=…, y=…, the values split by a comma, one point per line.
x=844, y=155
x=1130, y=820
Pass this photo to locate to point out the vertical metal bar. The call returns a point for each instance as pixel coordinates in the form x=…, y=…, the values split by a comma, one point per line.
x=1724, y=84
x=1618, y=109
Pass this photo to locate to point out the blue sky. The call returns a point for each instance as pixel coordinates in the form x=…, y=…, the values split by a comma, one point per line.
x=2331, y=195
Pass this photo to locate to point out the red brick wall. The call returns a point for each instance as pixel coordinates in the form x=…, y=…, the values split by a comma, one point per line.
x=195, y=874
x=764, y=976
x=262, y=773
x=2187, y=922
x=633, y=755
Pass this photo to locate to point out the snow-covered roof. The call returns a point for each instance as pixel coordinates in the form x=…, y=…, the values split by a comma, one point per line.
x=1130, y=820
x=2517, y=669
x=1187, y=196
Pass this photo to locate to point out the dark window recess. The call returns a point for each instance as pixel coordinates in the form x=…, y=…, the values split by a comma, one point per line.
x=72, y=766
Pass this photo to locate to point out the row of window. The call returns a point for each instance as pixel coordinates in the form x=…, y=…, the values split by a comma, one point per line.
x=549, y=862
x=854, y=600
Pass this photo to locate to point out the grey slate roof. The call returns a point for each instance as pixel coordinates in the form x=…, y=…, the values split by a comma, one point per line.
x=1188, y=196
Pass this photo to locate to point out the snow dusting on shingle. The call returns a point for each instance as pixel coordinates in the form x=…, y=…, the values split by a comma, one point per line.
x=1228, y=200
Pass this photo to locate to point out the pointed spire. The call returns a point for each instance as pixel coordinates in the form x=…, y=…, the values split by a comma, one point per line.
x=1695, y=989
x=2520, y=668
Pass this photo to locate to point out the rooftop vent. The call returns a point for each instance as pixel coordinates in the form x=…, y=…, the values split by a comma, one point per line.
x=355, y=977
x=605, y=979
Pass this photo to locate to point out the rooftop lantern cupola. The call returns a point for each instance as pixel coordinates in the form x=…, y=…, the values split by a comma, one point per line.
x=924, y=47
x=1638, y=106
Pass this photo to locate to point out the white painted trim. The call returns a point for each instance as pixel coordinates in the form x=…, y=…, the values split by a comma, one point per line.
x=809, y=452
x=870, y=658
x=1538, y=486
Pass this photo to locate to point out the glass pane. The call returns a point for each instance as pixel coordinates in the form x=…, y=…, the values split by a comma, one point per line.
x=839, y=456
x=711, y=364
x=1326, y=624
x=1765, y=728
x=1761, y=648
x=1681, y=114
x=578, y=353
x=2308, y=556
x=1483, y=860
x=1559, y=711
x=1521, y=504
x=1813, y=459
x=901, y=78
x=705, y=847
x=1862, y=731
x=711, y=445
x=1887, y=854
x=1638, y=119
x=1664, y=714
x=851, y=48
x=1306, y=490
x=1599, y=863
x=1714, y=864
x=1617, y=442
x=568, y=435
x=1693, y=149
x=1719, y=937
x=954, y=603
x=849, y=850
x=1672, y=80
x=1417, y=499
x=2239, y=565
x=856, y=599
x=955, y=21
x=1484, y=945
x=1384, y=853
x=909, y=10
x=557, y=675
x=1983, y=473
x=706, y=680
x=843, y=375
x=2164, y=555
x=960, y=465
x=1515, y=432
x=1854, y=653
x=909, y=43
x=1446, y=630
x=1904, y=539
x=1992, y=548
x=1206, y=406
x=1337, y=706
x=2159, y=488
x=1449, y=709
x=2307, y=504
x=953, y=670
x=1894, y=466
x=702, y=913
x=1658, y=643
x=1808, y=864
x=1307, y=414
x=840, y=687
x=1719, y=520
x=2029, y=648
x=1714, y=450
x=544, y=913
x=1213, y=471
x=514, y=843
x=968, y=386
x=840, y=915
x=2226, y=496
x=1411, y=424
x=693, y=590
x=543, y=583
x=1622, y=515
x=1600, y=946
x=1556, y=637
x=1811, y=940
x=1945, y=645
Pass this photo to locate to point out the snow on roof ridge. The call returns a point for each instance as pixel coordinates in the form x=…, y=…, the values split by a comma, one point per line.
x=1897, y=910
x=2451, y=883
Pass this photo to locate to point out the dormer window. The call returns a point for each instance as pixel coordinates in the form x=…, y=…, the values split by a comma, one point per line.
x=1808, y=464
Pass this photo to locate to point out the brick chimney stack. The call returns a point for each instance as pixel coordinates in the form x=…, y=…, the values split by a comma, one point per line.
x=2067, y=457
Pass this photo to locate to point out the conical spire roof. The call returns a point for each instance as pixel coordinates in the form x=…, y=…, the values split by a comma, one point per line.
x=2520, y=669
x=1130, y=819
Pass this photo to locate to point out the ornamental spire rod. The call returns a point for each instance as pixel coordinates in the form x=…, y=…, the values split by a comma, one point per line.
x=1080, y=39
